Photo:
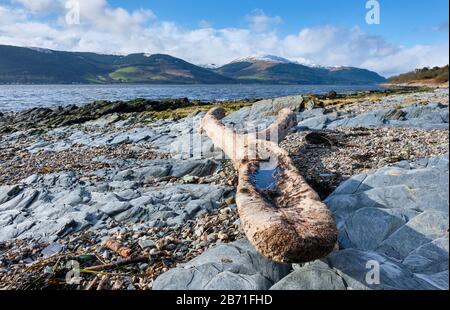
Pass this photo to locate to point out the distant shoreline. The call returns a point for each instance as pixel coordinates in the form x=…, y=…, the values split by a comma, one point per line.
x=417, y=84
x=186, y=84
x=23, y=97
x=182, y=102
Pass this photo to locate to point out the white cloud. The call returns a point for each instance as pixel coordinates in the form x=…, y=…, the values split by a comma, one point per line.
x=9, y=16
x=405, y=59
x=352, y=47
x=330, y=45
x=260, y=22
x=106, y=29
x=97, y=14
x=310, y=41
x=37, y=5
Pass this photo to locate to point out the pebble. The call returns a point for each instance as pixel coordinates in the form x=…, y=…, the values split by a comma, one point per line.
x=154, y=252
x=52, y=249
x=358, y=150
x=229, y=202
x=223, y=236
x=170, y=247
x=106, y=254
x=146, y=244
x=212, y=237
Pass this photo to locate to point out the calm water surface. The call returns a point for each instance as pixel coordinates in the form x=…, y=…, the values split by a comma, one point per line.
x=21, y=97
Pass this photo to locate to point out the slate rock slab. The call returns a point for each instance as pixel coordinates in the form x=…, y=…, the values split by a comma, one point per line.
x=235, y=266
x=355, y=267
x=52, y=206
x=52, y=249
x=393, y=232
x=314, y=276
x=430, y=116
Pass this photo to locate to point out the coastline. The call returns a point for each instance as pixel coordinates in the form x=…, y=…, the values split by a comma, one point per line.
x=418, y=84
x=22, y=97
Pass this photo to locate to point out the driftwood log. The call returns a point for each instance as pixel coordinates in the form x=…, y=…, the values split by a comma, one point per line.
x=283, y=217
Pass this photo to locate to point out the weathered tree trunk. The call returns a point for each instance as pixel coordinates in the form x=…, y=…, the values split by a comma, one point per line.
x=283, y=217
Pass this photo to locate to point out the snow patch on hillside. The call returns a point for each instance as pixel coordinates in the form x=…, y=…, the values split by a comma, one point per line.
x=41, y=50
x=282, y=60
x=267, y=58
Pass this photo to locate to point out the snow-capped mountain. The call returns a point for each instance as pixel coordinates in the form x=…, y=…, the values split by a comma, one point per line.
x=275, y=69
x=265, y=58
x=279, y=60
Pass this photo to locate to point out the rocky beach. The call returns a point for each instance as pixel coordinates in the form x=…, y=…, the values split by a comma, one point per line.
x=130, y=196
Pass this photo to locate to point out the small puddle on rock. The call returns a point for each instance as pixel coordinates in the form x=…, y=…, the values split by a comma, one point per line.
x=265, y=180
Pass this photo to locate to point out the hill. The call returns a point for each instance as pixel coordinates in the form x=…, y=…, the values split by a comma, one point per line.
x=20, y=65
x=32, y=66
x=424, y=75
x=277, y=70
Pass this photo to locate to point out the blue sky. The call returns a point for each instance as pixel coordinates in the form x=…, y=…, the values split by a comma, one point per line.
x=407, y=22
x=325, y=32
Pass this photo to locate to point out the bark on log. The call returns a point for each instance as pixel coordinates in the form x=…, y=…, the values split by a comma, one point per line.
x=286, y=221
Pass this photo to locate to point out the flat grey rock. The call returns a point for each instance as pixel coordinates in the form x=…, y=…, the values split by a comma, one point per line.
x=52, y=249
x=147, y=244
x=393, y=232
x=56, y=205
x=314, y=123
x=431, y=116
x=398, y=216
x=235, y=266
x=265, y=108
x=429, y=258
x=314, y=276
x=355, y=266
x=389, y=112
